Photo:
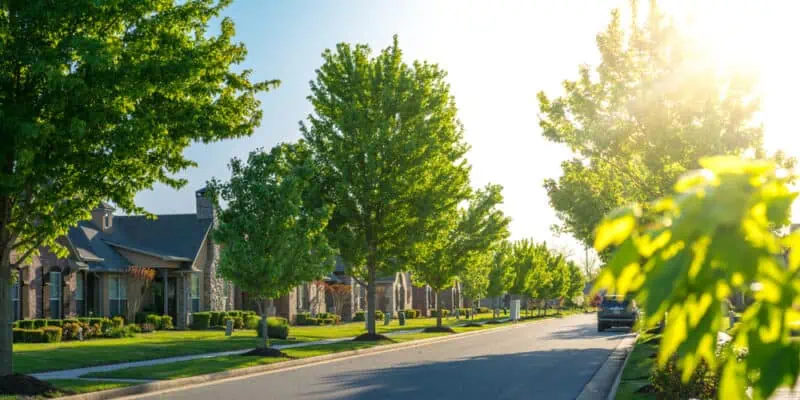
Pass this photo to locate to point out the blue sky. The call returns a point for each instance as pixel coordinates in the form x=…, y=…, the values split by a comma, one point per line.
x=498, y=54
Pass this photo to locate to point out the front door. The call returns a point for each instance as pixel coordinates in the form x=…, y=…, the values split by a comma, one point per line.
x=158, y=292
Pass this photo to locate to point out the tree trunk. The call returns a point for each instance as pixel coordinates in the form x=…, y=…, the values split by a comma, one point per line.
x=6, y=365
x=372, y=298
x=264, y=312
x=438, y=309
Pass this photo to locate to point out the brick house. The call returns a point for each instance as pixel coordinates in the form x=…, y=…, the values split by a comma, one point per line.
x=425, y=298
x=93, y=278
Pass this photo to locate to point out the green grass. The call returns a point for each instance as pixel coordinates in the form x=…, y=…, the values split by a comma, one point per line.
x=76, y=386
x=184, y=369
x=637, y=371
x=40, y=357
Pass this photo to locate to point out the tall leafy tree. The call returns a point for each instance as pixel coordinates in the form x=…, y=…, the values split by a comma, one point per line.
x=98, y=101
x=271, y=239
x=577, y=281
x=474, y=232
x=474, y=278
x=649, y=111
x=391, y=151
x=501, y=273
x=530, y=269
x=557, y=284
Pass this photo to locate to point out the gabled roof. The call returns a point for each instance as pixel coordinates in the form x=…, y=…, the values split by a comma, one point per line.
x=176, y=237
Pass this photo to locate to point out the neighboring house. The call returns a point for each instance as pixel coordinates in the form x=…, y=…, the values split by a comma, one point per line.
x=425, y=298
x=93, y=278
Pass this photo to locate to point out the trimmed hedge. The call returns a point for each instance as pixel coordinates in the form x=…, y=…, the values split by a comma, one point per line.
x=277, y=327
x=39, y=323
x=411, y=314
x=362, y=315
x=435, y=313
x=25, y=324
x=117, y=322
x=483, y=309
x=216, y=318
x=51, y=334
x=238, y=322
x=201, y=320
x=28, y=335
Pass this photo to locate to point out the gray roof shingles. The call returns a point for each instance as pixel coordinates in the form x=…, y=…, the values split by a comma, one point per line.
x=169, y=236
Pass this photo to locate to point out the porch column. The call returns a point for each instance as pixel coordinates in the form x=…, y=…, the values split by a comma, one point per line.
x=166, y=291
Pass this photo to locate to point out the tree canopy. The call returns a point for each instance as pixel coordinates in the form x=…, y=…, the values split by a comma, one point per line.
x=98, y=102
x=391, y=153
x=686, y=253
x=646, y=114
x=271, y=240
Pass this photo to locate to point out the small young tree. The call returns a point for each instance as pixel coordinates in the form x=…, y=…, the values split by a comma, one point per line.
x=556, y=287
x=473, y=231
x=144, y=276
x=475, y=276
x=271, y=240
x=340, y=294
x=501, y=275
x=529, y=264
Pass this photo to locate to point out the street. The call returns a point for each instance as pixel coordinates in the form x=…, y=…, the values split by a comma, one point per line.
x=550, y=359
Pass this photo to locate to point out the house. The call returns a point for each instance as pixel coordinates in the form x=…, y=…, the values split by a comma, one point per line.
x=425, y=298
x=94, y=279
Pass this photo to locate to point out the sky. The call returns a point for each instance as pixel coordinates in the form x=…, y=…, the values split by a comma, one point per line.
x=498, y=55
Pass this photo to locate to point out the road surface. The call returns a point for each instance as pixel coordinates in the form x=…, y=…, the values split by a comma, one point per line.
x=551, y=359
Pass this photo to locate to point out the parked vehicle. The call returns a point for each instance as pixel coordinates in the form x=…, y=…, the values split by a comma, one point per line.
x=616, y=311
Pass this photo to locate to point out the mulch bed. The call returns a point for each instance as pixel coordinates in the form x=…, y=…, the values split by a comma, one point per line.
x=494, y=322
x=24, y=385
x=435, y=329
x=473, y=325
x=367, y=337
x=266, y=352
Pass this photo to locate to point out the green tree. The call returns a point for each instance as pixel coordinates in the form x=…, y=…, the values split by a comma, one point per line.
x=577, y=282
x=557, y=286
x=650, y=110
x=685, y=254
x=475, y=276
x=530, y=270
x=271, y=240
x=98, y=102
x=391, y=151
x=474, y=232
x=501, y=274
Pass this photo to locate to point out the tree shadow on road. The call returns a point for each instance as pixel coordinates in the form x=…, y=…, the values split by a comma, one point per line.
x=583, y=332
x=549, y=374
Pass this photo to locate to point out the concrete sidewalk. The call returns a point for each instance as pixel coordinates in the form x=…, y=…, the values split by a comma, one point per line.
x=78, y=372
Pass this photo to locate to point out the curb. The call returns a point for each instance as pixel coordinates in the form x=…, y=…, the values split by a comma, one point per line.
x=200, y=380
x=605, y=381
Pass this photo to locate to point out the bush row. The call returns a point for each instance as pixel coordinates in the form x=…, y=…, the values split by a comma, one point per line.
x=305, y=318
x=412, y=313
x=362, y=315
x=277, y=327
x=211, y=319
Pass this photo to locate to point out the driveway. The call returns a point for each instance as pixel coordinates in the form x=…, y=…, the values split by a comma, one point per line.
x=551, y=359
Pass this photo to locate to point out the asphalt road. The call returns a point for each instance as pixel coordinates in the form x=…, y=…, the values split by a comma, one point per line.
x=550, y=359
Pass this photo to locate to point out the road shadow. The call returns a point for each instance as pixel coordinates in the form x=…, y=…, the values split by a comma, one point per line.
x=583, y=332
x=551, y=375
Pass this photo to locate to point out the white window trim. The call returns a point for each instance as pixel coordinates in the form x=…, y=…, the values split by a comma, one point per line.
x=55, y=284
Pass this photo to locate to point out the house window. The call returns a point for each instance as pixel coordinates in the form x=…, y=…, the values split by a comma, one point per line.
x=80, y=298
x=55, y=295
x=195, y=292
x=117, y=295
x=15, y=301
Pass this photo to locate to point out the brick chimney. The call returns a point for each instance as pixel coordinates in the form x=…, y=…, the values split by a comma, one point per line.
x=103, y=216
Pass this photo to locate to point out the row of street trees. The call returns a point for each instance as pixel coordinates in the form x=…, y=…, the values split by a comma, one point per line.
x=531, y=271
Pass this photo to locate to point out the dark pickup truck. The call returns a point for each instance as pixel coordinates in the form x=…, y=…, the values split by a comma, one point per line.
x=616, y=311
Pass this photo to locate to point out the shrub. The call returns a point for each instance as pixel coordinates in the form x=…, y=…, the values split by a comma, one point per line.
x=483, y=310
x=252, y=323
x=26, y=324
x=69, y=321
x=134, y=328
x=39, y=323
x=71, y=330
x=166, y=322
x=155, y=320
x=216, y=318
x=248, y=315
x=410, y=314
x=360, y=316
x=435, y=313
x=121, y=332
x=201, y=320
x=233, y=314
x=277, y=328
x=147, y=327
x=28, y=335
x=140, y=317
x=379, y=315
x=238, y=322
x=106, y=325
x=303, y=318
x=53, y=322
x=117, y=322
x=334, y=317
x=52, y=334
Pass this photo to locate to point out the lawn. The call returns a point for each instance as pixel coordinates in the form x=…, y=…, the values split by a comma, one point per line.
x=76, y=386
x=40, y=357
x=184, y=369
x=637, y=370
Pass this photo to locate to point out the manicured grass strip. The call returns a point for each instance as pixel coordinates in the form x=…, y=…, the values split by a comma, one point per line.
x=637, y=371
x=83, y=386
x=41, y=357
x=185, y=369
